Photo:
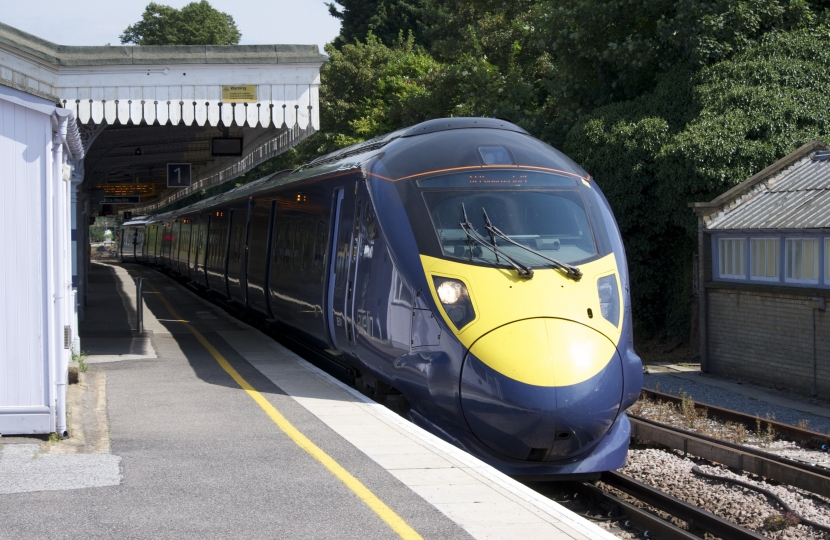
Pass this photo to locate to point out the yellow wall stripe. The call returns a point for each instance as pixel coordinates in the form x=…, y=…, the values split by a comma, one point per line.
x=372, y=501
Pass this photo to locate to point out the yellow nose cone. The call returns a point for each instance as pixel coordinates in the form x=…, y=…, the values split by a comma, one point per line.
x=545, y=352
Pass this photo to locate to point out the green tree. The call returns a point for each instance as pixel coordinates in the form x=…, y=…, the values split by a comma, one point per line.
x=196, y=23
x=614, y=50
x=368, y=89
x=387, y=20
x=697, y=134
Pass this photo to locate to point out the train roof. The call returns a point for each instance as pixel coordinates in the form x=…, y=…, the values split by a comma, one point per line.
x=402, y=152
x=138, y=220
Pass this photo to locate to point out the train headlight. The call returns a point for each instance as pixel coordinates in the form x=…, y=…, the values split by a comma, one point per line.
x=455, y=300
x=609, y=299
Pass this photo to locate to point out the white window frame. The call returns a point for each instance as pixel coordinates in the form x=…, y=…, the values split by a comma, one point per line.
x=743, y=262
x=826, y=261
x=787, y=243
x=777, y=241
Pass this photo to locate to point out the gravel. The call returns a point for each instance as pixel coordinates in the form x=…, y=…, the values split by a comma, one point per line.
x=24, y=468
x=671, y=473
x=704, y=393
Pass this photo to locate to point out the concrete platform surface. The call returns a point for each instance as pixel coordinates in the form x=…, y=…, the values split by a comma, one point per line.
x=199, y=457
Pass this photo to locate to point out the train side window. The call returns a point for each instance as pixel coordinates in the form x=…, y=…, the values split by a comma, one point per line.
x=319, y=246
x=308, y=244
x=276, y=258
x=299, y=243
x=371, y=223
x=288, y=244
x=356, y=232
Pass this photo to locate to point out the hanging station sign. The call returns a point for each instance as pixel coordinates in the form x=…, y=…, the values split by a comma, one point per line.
x=178, y=175
x=126, y=190
x=133, y=199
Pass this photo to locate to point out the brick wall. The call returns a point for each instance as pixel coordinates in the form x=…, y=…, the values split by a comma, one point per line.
x=768, y=338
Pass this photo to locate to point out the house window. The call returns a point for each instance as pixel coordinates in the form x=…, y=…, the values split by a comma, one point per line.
x=802, y=260
x=732, y=257
x=827, y=261
x=764, y=254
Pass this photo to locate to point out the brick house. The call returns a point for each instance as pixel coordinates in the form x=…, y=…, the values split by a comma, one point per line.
x=764, y=249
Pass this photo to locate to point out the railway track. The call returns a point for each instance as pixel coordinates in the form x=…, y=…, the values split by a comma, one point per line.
x=736, y=456
x=794, y=433
x=773, y=467
x=653, y=526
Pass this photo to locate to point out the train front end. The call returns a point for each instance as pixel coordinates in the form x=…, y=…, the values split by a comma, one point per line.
x=525, y=266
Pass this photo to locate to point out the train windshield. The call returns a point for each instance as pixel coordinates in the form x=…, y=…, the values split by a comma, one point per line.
x=544, y=212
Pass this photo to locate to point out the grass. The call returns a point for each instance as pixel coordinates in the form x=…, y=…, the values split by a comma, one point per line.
x=779, y=522
x=81, y=359
x=687, y=416
x=766, y=436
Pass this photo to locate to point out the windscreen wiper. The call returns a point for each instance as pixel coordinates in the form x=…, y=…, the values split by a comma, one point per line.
x=571, y=271
x=467, y=227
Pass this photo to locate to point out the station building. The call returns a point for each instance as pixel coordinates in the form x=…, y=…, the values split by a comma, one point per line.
x=764, y=275
x=84, y=130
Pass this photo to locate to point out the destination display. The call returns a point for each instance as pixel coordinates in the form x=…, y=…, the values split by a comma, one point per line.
x=122, y=190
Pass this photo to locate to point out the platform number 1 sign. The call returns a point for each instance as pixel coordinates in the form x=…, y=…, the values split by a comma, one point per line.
x=178, y=175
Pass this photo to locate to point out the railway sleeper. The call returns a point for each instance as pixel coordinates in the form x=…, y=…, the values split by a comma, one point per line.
x=634, y=517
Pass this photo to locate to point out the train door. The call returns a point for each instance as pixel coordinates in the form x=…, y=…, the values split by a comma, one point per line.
x=167, y=236
x=175, y=246
x=128, y=244
x=185, y=242
x=199, y=272
x=237, y=286
x=139, y=244
x=348, y=207
x=335, y=278
x=152, y=238
x=258, y=266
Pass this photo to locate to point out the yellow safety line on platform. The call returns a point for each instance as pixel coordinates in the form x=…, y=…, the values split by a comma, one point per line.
x=372, y=501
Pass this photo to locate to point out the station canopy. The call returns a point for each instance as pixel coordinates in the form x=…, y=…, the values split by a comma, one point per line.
x=145, y=113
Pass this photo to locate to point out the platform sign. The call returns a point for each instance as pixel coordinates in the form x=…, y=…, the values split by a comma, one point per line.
x=239, y=93
x=178, y=175
x=131, y=199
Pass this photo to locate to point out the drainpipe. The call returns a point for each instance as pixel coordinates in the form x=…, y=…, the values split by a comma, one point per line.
x=76, y=228
x=58, y=246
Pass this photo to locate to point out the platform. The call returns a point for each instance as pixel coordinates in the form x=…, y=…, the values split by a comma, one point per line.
x=295, y=454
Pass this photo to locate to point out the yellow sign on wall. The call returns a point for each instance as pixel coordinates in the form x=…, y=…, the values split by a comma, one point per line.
x=239, y=93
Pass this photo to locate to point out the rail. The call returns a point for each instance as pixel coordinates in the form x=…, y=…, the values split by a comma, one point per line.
x=733, y=455
x=691, y=514
x=794, y=433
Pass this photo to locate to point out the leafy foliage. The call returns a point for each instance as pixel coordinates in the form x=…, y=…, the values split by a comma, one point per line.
x=697, y=134
x=196, y=23
x=386, y=20
x=615, y=50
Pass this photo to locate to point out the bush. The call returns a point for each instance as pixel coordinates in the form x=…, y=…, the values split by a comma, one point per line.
x=699, y=133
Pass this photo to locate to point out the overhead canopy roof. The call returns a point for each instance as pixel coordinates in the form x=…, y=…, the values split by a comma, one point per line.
x=793, y=193
x=163, y=104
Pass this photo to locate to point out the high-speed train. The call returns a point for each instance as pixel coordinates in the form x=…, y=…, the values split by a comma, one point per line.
x=459, y=266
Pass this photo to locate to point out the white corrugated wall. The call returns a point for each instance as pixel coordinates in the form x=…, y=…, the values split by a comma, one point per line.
x=26, y=389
